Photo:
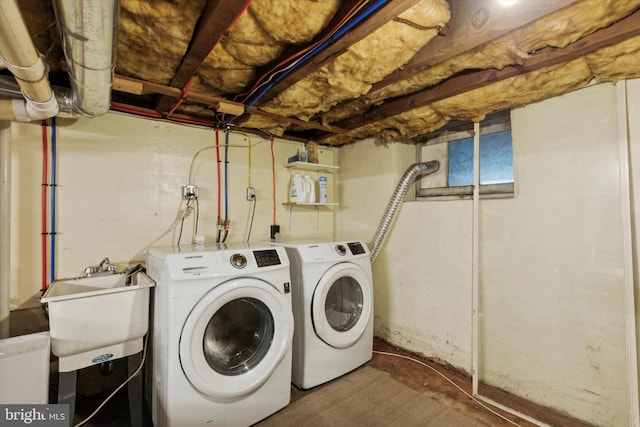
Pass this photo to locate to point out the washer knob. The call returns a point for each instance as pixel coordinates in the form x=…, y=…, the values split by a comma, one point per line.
x=238, y=261
x=341, y=250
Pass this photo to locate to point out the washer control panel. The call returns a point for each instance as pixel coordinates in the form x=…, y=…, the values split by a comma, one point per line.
x=341, y=250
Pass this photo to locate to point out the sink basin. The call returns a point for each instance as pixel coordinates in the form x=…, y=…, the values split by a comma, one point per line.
x=96, y=319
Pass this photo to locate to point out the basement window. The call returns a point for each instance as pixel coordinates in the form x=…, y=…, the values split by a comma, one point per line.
x=452, y=146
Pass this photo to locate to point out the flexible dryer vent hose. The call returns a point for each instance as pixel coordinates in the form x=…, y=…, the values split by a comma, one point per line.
x=407, y=179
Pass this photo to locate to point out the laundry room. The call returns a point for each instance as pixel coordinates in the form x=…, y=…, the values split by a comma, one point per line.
x=236, y=163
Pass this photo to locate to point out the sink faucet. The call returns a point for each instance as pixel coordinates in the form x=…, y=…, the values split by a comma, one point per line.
x=105, y=267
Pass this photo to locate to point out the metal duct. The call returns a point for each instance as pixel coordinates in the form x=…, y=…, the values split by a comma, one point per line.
x=89, y=34
x=407, y=179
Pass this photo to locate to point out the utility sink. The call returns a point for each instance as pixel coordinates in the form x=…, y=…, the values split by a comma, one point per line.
x=96, y=319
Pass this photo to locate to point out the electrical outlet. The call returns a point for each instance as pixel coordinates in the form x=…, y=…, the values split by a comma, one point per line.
x=189, y=191
x=251, y=193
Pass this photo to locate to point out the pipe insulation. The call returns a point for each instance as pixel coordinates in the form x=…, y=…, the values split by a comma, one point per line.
x=5, y=227
x=89, y=33
x=415, y=170
x=20, y=56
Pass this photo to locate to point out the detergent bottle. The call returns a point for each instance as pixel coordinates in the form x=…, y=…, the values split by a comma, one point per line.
x=310, y=188
x=297, y=193
x=323, y=189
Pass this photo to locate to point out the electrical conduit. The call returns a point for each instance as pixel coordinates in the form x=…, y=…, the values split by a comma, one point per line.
x=407, y=179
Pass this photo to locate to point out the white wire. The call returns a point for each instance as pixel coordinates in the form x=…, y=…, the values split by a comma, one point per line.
x=193, y=159
x=450, y=381
x=144, y=354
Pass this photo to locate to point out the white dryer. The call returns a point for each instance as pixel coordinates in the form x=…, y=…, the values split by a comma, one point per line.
x=332, y=294
x=222, y=331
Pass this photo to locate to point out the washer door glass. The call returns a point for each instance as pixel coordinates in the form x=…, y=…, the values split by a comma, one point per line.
x=238, y=336
x=235, y=337
x=342, y=305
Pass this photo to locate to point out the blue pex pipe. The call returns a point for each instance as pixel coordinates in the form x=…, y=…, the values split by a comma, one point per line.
x=53, y=199
x=357, y=20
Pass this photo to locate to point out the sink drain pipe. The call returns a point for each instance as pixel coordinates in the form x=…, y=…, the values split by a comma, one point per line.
x=415, y=170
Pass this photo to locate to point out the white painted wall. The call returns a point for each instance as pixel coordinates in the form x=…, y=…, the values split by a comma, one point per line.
x=551, y=260
x=552, y=323
x=120, y=181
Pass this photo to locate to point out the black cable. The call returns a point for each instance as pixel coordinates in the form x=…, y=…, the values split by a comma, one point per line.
x=181, y=227
x=253, y=214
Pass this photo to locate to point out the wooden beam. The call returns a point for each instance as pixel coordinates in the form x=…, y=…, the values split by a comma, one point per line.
x=388, y=12
x=141, y=87
x=616, y=33
x=214, y=21
x=473, y=24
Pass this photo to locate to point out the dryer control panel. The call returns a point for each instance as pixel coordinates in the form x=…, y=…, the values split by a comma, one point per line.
x=267, y=257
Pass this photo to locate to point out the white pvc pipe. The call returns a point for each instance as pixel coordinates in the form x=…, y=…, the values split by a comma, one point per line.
x=627, y=236
x=20, y=56
x=475, y=247
x=5, y=227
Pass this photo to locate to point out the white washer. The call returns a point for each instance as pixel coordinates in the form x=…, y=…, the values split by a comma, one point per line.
x=222, y=331
x=332, y=293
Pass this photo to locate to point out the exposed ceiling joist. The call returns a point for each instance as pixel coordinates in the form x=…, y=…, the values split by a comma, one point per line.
x=216, y=18
x=141, y=87
x=620, y=31
x=378, y=78
x=474, y=23
x=385, y=14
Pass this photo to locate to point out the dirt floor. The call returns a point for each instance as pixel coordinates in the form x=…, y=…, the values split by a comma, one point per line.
x=424, y=379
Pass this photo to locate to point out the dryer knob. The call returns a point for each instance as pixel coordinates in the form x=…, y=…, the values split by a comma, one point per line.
x=238, y=261
x=341, y=250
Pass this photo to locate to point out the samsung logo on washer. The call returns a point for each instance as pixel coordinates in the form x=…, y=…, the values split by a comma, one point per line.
x=193, y=257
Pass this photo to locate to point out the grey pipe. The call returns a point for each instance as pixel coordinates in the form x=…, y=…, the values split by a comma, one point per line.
x=407, y=179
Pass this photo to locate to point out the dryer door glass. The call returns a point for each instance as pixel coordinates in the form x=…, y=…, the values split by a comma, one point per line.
x=238, y=336
x=343, y=305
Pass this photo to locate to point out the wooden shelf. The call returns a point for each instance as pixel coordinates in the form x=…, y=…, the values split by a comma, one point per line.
x=309, y=204
x=311, y=166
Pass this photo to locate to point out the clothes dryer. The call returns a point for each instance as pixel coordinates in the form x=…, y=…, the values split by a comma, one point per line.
x=222, y=329
x=332, y=294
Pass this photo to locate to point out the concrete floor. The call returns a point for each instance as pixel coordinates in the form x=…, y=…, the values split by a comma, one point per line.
x=93, y=386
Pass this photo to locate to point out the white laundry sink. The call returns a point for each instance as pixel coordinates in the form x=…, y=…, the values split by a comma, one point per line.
x=96, y=319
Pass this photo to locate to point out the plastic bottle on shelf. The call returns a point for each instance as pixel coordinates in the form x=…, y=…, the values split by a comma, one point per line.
x=310, y=187
x=297, y=192
x=323, y=184
x=312, y=151
x=303, y=155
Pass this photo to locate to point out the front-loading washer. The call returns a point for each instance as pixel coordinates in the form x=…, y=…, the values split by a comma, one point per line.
x=332, y=291
x=222, y=329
